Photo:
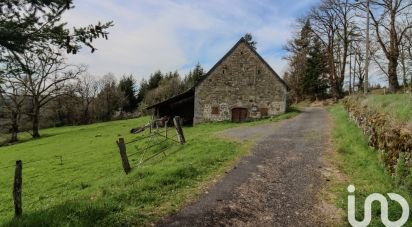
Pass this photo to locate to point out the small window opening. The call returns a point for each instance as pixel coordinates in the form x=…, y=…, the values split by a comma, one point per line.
x=264, y=112
x=215, y=110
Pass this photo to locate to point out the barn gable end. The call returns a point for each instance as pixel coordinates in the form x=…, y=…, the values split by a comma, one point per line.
x=240, y=86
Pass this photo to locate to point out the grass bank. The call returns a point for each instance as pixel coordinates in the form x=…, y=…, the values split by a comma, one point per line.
x=363, y=168
x=398, y=106
x=72, y=176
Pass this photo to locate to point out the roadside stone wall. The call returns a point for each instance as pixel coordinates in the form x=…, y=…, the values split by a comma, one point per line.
x=383, y=133
x=241, y=80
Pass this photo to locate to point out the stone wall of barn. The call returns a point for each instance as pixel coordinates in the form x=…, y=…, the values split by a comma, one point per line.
x=241, y=80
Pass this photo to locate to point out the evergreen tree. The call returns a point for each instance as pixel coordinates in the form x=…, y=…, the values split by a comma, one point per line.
x=155, y=79
x=143, y=88
x=299, y=49
x=128, y=88
x=170, y=75
x=194, y=76
x=314, y=81
x=306, y=34
x=198, y=73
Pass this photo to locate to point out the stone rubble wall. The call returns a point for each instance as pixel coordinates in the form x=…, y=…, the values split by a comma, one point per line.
x=240, y=81
x=384, y=134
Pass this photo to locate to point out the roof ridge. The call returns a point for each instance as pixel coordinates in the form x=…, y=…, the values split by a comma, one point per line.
x=241, y=40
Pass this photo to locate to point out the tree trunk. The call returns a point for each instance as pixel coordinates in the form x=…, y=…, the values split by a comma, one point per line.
x=332, y=72
x=393, y=56
x=14, y=127
x=360, y=84
x=334, y=89
x=404, y=70
x=350, y=74
x=354, y=73
x=86, y=116
x=36, y=122
x=410, y=82
x=341, y=79
x=392, y=75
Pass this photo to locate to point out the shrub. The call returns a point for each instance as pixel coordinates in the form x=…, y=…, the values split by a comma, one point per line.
x=400, y=171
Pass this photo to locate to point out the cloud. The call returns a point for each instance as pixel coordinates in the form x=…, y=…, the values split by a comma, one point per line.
x=175, y=35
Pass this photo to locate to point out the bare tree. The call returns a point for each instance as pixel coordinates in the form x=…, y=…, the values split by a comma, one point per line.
x=13, y=97
x=362, y=59
x=109, y=98
x=170, y=85
x=44, y=74
x=359, y=64
x=332, y=23
x=408, y=53
x=87, y=89
x=344, y=12
x=391, y=23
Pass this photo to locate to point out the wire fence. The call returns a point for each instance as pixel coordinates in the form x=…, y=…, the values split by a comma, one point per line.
x=157, y=138
x=62, y=158
x=146, y=147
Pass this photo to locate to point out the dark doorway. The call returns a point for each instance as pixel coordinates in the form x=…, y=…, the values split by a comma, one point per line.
x=180, y=105
x=239, y=114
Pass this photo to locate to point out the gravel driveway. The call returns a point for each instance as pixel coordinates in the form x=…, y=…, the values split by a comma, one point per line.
x=276, y=185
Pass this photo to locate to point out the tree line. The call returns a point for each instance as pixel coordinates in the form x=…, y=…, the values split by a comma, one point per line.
x=327, y=56
x=39, y=89
x=60, y=94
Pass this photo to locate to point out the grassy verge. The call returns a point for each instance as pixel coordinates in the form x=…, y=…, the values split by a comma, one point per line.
x=398, y=106
x=363, y=168
x=73, y=176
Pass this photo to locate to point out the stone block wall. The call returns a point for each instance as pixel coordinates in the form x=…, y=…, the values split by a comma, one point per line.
x=241, y=80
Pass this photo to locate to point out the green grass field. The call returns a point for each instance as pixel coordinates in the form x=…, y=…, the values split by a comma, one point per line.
x=398, y=106
x=5, y=138
x=89, y=187
x=363, y=168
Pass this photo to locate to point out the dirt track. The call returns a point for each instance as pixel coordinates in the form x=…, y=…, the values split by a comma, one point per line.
x=277, y=185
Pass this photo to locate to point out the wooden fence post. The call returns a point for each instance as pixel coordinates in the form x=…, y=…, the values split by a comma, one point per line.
x=179, y=131
x=123, y=155
x=151, y=124
x=166, y=129
x=18, y=210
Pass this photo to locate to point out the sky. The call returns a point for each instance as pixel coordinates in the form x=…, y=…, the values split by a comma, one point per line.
x=150, y=35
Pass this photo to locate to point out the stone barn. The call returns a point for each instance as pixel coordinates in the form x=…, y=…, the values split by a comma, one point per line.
x=240, y=86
